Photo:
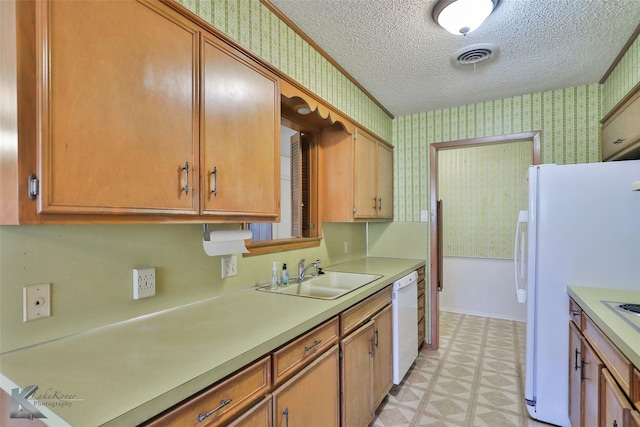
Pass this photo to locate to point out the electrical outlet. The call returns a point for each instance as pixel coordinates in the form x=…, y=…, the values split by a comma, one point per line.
x=346, y=247
x=144, y=282
x=229, y=266
x=36, y=302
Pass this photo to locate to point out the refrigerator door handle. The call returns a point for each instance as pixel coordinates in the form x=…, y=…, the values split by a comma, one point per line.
x=519, y=258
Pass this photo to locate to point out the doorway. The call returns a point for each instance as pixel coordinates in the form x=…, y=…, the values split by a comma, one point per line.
x=436, y=229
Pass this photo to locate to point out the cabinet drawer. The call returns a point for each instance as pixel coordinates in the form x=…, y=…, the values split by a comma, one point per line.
x=297, y=354
x=363, y=311
x=421, y=274
x=223, y=400
x=575, y=312
x=621, y=369
x=421, y=304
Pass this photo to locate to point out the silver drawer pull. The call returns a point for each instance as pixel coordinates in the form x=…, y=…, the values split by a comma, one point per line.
x=222, y=404
x=312, y=346
x=186, y=185
x=214, y=173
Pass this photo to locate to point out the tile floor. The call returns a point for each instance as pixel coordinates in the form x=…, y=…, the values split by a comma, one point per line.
x=474, y=379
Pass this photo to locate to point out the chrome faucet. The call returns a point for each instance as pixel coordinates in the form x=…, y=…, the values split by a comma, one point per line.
x=302, y=269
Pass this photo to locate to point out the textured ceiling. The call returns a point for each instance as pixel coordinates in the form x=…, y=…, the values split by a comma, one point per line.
x=402, y=58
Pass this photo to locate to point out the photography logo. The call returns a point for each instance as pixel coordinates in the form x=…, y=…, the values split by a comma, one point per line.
x=25, y=402
x=21, y=407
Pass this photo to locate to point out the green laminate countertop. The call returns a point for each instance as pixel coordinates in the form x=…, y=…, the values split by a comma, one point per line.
x=619, y=331
x=124, y=374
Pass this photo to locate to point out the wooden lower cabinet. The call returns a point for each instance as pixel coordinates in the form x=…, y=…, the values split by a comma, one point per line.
x=366, y=360
x=601, y=379
x=584, y=381
x=382, y=355
x=575, y=374
x=261, y=415
x=311, y=397
x=422, y=303
x=591, y=373
x=616, y=410
x=357, y=376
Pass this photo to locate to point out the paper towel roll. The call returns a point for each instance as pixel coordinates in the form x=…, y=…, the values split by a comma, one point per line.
x=226, y=242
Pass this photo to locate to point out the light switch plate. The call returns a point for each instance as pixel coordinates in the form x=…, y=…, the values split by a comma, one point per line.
x=36, y=302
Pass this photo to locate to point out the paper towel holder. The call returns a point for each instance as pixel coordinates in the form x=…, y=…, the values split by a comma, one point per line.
x=206, y=232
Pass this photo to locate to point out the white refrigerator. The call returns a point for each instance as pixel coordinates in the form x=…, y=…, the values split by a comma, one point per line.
x=583, y=229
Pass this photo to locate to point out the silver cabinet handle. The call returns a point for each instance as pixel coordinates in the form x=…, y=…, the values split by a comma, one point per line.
x=312, y=346
x=380, y=204
x=186, y=184
x=222, y=404
x=286, y=416
x=375, y=203
x=214, y=190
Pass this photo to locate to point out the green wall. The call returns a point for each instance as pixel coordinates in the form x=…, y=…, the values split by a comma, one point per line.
x=482, y=189
x=271, y=39
x=623, y=78
x=567, y=118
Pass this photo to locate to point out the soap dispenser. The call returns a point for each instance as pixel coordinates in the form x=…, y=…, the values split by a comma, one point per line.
x=284, y=276
x=274, y=276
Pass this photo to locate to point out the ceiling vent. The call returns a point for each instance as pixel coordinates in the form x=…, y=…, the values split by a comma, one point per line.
x=474, y=54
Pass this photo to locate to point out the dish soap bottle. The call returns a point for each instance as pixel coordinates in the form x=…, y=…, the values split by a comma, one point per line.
x=284, y=276
x=274, y=276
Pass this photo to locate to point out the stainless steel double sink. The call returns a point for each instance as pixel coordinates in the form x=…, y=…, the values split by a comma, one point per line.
x=330, y=285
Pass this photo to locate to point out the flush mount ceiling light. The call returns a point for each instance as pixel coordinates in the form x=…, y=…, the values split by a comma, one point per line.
x=462, y=16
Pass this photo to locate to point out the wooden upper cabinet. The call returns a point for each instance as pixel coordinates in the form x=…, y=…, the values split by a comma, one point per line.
x=357, y=176
x=118, y=109
x=240, y=134
x=621, y=130
x=124, y=111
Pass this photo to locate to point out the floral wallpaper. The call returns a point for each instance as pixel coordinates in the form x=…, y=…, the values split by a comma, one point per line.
x=482, y=189
x=271, y=39
x=623, y=78
x=567, y=118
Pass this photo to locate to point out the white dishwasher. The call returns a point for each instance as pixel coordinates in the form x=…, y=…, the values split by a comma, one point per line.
x=405, y=325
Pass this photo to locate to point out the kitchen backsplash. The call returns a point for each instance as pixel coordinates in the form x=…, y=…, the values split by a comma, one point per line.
x=90, y=268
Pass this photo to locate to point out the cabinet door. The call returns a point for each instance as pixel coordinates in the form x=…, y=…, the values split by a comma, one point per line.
x=118, y=108
x=615, y=407
x=591, y=372
x=357, y=376
x=366, y=197
x=258, y=416
x=385, y=181
x=240, y=133
x=311, y=397
x=382, y=356
x=575, y=376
